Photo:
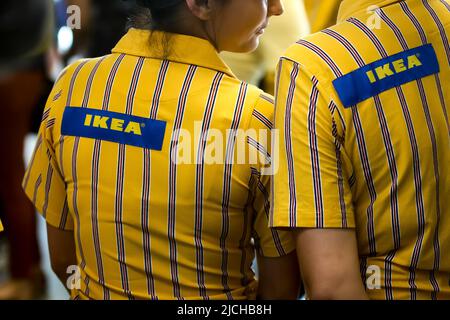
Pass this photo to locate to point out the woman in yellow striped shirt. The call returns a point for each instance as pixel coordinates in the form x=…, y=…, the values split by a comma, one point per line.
x=128, y=168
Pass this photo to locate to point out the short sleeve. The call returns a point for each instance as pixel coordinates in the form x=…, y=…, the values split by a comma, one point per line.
x=310, y=187
x=269, y=242
x=43, y=182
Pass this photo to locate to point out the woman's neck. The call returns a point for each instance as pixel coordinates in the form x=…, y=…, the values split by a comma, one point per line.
x=191, y=26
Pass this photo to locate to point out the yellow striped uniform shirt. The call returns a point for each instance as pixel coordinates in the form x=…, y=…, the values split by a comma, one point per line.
x=1, y=226
x=364, y=141
x=130, y=156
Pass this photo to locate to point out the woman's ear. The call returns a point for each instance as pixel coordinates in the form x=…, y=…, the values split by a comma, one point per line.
x=200, y=8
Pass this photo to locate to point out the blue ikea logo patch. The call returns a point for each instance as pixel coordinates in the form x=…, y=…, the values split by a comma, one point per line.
x=114, y=127
x=386, y=74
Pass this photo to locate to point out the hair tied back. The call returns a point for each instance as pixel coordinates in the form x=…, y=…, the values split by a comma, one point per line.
x=158, y=4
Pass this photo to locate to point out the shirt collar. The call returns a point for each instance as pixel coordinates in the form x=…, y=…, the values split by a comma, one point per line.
x=349, y=8
x=181, y=48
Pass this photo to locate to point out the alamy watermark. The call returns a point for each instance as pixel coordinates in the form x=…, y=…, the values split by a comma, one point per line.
x=374, y=20
x=224, y=147
x=373, y=278
x=73, y=17
x=74, y=280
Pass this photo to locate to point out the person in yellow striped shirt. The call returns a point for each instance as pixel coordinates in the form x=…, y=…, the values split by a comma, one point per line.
x=364, y=152
x=129, y=171
x=1, y=226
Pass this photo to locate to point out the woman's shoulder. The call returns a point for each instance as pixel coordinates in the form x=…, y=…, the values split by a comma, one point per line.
x=64, y=77
x=253, y=94
x=74, y=67
x=257, y=105
x=64, y=87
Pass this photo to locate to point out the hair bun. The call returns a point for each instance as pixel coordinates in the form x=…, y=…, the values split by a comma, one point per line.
x=158, y=4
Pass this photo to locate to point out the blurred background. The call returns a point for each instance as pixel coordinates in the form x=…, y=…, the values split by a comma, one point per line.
x=41, y=37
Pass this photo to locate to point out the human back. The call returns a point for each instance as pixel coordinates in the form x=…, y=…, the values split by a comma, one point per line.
x=156, y=213
x=387, y=125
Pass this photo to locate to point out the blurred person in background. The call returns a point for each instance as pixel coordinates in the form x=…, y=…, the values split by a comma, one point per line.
x=26, y=30
x=258, y=67
x=322, y=13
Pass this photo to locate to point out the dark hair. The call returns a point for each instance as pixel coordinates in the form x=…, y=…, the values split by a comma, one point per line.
x=157, y=19
x=161, y=15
